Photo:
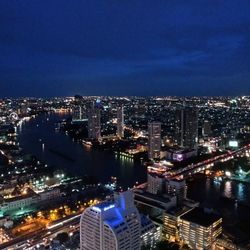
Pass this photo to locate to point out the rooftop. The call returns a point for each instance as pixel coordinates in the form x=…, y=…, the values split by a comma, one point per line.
x=178, y=211
x=104, y=205
x=201, y=217
x=21, y=197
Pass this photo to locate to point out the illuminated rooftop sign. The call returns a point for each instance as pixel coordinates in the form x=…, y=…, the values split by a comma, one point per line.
x=109, y=207
x=104, y=208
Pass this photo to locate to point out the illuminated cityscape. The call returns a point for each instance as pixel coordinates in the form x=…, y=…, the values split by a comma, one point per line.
x=124, y=125
x=42, y=203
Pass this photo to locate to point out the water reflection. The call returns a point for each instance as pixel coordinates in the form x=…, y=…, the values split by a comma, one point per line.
x=126, y=160
x=208, y=185
x=228, y=189
x=240, y=193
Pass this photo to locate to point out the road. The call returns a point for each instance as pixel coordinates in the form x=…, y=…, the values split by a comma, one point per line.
x=43, y=236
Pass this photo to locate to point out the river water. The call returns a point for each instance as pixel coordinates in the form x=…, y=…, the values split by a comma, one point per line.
x=38, y=137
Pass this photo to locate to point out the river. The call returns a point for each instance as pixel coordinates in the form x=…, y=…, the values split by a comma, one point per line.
x=38, y=137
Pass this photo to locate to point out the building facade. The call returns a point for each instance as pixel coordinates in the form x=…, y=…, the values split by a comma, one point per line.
x=186, y=127
x=178, y=188
x=111, y=225
x=120, y=122
x=94, y=122
x=76, y=113
x=200, y=228
x=154, y=140
x=158, y=184
x=171, y=223
x=206, y=128
x=150, y=233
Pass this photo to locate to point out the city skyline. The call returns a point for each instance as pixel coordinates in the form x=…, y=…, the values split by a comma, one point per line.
x=124, y=173
x=124, y=125
x=61, y=48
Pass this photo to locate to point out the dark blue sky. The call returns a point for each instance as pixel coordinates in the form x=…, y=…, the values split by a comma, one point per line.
x=124, y=47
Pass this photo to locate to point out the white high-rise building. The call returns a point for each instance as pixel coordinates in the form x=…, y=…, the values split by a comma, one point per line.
x=111, y=225
x=120, y=122
x=150, y=233
x=154, y=140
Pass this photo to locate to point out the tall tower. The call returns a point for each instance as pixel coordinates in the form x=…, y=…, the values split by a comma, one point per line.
x=206, y=128
x=111, y=225
x=120, y=122
x=186, y=127
x=154, y=140
x=94, y=122
x=77, y=113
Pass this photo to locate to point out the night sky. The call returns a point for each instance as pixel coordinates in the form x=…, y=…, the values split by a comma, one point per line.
x=124, y=47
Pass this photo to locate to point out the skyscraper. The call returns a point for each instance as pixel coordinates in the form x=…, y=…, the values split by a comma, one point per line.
x=77, y=113
x=111, y=225
x=94, y=122
x=154, y=140
x=206, y=128
x=186, y=127
x=178, y=188
x=120, y=122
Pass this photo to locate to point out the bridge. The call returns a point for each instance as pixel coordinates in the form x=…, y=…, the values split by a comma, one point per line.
x=207, y=164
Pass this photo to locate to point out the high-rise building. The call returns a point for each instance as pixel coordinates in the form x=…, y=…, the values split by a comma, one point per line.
x=111, y=225
x=150, y=233
x=120, y=122
x=77, y=113
x=199, y=228
x=154, y=140
x=186, y=127
x=94, y=122
x=178, y=188
x=155, y=183
x=206, y=128
x=23, y=109
x=159, y=184
x=171, y=223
